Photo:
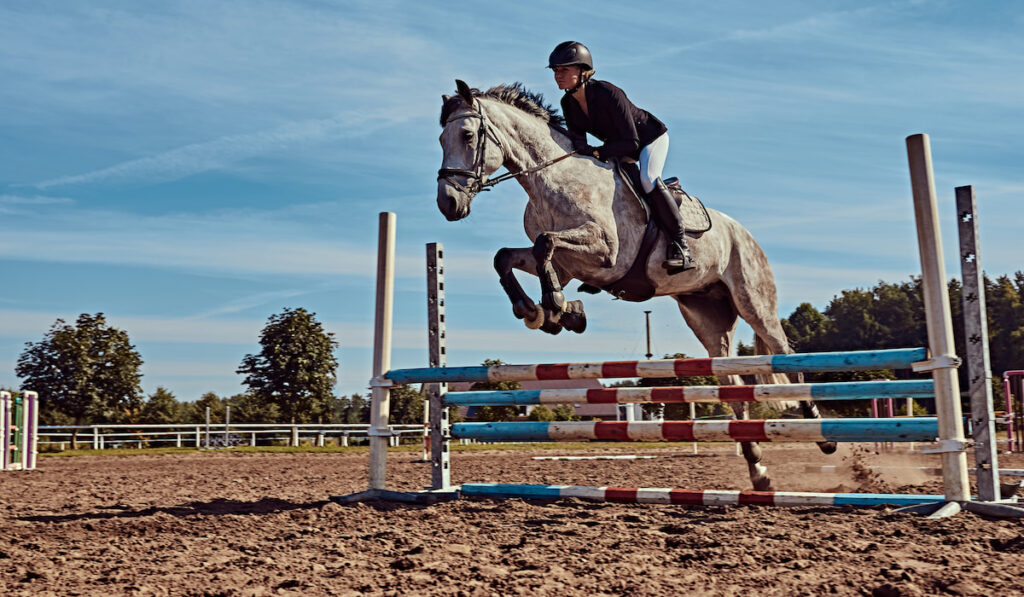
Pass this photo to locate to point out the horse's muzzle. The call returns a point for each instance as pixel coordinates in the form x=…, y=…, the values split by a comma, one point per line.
x=452, y=203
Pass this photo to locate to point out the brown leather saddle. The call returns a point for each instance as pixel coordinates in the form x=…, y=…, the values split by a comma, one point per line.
x=636, y=285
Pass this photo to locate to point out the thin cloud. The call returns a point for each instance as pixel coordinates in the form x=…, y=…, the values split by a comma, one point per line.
x=268, y=241
x=223, y=152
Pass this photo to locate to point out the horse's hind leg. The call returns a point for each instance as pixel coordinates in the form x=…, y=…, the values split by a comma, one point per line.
x=712, y=317
x=761, y=312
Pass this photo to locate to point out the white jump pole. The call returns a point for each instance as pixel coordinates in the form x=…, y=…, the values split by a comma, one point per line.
x=940, y=322
x=380, y=407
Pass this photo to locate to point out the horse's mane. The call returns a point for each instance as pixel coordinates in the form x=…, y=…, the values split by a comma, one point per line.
x=515, y=95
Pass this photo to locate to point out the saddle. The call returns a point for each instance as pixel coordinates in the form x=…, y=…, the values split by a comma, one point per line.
x=636, y=285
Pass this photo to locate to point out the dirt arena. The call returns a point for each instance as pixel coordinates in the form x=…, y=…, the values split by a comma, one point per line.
x=260, y=524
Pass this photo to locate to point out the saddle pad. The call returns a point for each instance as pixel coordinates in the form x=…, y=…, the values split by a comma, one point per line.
x=695, y=216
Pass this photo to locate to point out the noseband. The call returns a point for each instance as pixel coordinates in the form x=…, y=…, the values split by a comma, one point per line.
x=476, y=180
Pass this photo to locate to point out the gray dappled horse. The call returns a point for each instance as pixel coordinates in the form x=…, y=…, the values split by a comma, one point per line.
x=586, y=225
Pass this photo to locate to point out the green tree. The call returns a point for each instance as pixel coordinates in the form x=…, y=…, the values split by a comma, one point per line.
x=564, y=412
x=161, y=407
x=496, y=413
x=352, y=410
x=1005, y=302
x=196, y=411
x=805, y=327
x=246, y=408
x=540, y=413
x=406, y=406
x=89, y=371
x=296, y=369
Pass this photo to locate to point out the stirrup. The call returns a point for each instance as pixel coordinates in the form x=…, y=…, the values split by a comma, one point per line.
x=678, y=259
x=676, y=266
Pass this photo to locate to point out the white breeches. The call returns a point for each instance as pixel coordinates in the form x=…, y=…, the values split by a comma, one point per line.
x=652, y=161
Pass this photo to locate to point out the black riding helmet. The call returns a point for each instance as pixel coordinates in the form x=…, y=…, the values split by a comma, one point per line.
x=569, y=53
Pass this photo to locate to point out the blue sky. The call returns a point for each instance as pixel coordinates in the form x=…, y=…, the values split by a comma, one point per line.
x=192, y=168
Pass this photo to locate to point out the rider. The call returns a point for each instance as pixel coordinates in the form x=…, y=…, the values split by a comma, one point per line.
x=603, y=110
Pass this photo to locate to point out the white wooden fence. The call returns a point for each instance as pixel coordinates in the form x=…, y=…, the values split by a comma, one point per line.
x=201, y=435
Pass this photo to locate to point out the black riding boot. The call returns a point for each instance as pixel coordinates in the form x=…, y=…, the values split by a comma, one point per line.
x=666, y=214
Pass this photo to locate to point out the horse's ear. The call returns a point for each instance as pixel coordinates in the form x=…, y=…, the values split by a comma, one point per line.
x=464, y=91
x=445, y=98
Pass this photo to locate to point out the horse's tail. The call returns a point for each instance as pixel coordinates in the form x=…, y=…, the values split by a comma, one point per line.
x=761, y=347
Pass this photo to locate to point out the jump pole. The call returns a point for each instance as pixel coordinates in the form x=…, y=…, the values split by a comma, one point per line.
x=380, y=406
x=944, y=362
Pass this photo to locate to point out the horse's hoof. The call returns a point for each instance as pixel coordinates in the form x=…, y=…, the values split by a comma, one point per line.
x=551, y=327
x=828, y=447
x=759, y=477
x=575, y=322
x=574, y=318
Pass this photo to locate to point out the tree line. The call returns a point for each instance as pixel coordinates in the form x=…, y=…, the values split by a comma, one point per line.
x=891, y=315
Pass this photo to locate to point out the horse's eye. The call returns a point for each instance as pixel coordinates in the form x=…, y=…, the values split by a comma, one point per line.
x=468, y=135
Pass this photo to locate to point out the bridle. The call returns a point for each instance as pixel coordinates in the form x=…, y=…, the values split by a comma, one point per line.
x=476, y=180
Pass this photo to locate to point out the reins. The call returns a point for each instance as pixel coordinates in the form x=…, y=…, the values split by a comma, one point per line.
x=538, y=168
x=476, y=178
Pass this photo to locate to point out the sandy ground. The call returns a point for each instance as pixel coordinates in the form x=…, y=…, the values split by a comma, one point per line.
x=260, y=524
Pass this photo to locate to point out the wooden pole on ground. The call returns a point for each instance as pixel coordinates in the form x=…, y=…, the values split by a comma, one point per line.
x=940, y=321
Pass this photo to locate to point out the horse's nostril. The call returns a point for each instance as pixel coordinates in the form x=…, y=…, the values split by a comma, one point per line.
x=449, y=206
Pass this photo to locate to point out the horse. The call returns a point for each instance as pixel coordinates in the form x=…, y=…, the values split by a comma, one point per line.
x=586, y=224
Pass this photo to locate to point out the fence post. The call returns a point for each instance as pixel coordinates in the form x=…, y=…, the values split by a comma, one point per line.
x=95, y=437
x=199, y=441
x=6, y=437
x=939, y=319
x=227, y=424
x=207, y=427
x=295, y=436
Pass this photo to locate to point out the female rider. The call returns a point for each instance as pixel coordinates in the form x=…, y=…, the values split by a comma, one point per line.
x=603, y=110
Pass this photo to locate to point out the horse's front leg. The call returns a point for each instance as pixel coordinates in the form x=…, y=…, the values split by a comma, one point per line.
x=551, y=297
x=586, y=244
x=571, y=315
x=523, y=307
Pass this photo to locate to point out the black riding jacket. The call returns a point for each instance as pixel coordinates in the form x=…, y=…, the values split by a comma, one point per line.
x=624, y=128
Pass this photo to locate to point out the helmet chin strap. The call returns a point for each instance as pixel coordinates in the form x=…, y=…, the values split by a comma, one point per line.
x=583, y=81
